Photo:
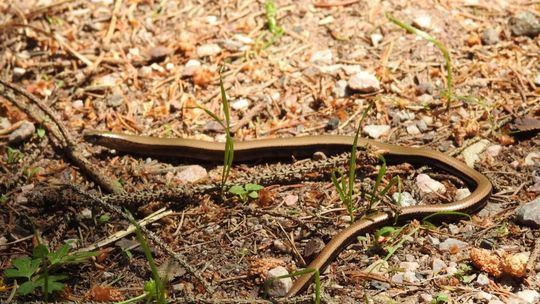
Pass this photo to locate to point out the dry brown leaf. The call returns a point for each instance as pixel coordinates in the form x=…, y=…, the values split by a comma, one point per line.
x=527, y=123
x=104, y=294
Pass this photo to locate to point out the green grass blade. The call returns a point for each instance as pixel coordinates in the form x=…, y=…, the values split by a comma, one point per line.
x=437, y=43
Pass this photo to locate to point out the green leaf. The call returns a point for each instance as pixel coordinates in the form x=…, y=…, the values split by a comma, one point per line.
x=253, y=187
x=27, y=287
x=53, y=283
x=238, y=190
x=150, y=288
x=104, y=218
x=40, y=251
x=253, y=194
x=59, y=256
x=25, y=267
x=40, y=132
x=384, y=231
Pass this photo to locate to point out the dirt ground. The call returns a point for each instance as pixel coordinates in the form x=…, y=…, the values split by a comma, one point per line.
x=308, y=68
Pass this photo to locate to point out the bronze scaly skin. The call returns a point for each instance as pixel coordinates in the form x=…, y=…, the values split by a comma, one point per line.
x=305, y=147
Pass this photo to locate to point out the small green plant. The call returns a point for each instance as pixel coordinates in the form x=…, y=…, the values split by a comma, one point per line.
x=37, y=271
x=317, y=280
x=344, y=189
x=104, y=218
x=13, y=155
x=3, y=198
x=40, y=132
x=447, y=60
x=274, y=29
x=440, y=299
x=229, y=143
x=247, y=191
x=156, y=287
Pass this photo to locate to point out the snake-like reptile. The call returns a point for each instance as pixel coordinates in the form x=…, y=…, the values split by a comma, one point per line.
x=305, y=147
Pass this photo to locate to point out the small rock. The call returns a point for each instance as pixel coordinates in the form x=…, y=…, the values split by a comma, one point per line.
x=351, y=69
x=529, y=296
x=529, y=213
x=109, y=80
x=470, y=154
x=332, y=69
x=397, y=278
x=524, y=24
x=313, y=247
x=426, y=298
x=424, y=88
x=4, y=123
x=157, y=53
x=376, y=131
x=318, y=156
x=483, y=296
x=421, y=125
x=429, y=185
x=364, y=82
x=454, y=229
x=208, y=50
x=462, y=193
x=77, y=104
x=290, y=200
x=340, y=88
x=323, y=57
x=192, y=174
x=86, y=214
x=279, y=287
x=405, y=200
x=537, y=79
x=437, y=265
x=280, y=246
x=376, y=38
x=405, y=115
x=450, y=244
x=490, y=36
x=18, y=71
x=191, y=66
x=116, y=99
x=409, y=266
x=532, y=159
x=22, y=133
x=332, y=124
x=494, y=150
x=240, y=104
x=422, y=22
x=482, y=279
x=413, y=130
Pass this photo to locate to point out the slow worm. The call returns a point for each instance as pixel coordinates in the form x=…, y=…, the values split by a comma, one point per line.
x=305, y=147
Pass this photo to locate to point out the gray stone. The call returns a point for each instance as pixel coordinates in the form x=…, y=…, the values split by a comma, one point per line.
x=524, y=24
x=529, y=213
x=364, y=82
x=482, y=279
x=208, y=50
x=490, y=36
x=279, y=287
x=192, y=174
x=537, y=79
x=405, y=200
x=22, y=133
x=452, y=243
x=340, y=88
x=376, y=131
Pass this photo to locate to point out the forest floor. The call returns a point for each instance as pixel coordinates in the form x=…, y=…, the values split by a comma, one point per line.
x=301, y=68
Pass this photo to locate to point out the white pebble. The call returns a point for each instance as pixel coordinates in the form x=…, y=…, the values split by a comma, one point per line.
x=429, y=185
x=376, y=131
x=208, y=50
x=364, y=82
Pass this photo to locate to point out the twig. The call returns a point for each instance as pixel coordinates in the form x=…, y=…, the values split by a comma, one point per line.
x=156, y=239
x=120, y=234
x=112, y=25
x=247, y=118
x=58, y=135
